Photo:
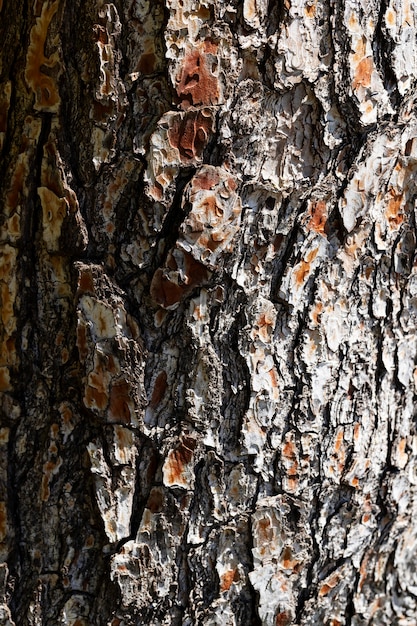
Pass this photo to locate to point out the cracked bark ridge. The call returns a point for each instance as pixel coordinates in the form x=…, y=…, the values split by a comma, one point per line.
x=208, y=321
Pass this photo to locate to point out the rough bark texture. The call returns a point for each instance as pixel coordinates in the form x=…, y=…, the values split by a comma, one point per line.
x=208, y=292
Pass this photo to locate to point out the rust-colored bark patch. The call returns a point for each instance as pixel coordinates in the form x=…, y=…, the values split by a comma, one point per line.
x=318, y=217
x=287, y=560
x=189, y=133
x=43, y=85
x=283, y=619
x=363, y=73
x=86, y=282
x=227, y=579
x=178, y=462
x=197, y=83
x=393, y=211
x=165, y=291
x=390, y=17
x=339, y=441
x=16, y=188
x=169, y=286
x=303, y=268
x=82, y=344
x=265, y=533
x=310, y=9
x=329, y=584
x=94, y=398
x=316, y=312
x=158, y=389
x=214, y=219
x=120, y=403
x=156, y=500
x=5, y=379
x=206, y=179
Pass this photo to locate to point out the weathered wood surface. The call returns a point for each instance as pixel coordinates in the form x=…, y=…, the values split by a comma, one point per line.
x=208, y=312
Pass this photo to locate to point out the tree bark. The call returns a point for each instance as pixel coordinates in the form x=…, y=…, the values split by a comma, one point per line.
x=208, y=312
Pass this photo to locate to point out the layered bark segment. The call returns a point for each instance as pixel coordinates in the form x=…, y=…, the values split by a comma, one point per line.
x=43, y=85
x=208, y=313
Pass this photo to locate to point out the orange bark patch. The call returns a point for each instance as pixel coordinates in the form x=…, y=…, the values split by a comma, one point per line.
x=227, y=580
x=393, y=214
x=310, y=9
x=339, y=441
x=209, y=214
x=303, y=268
x=7, y=304
x=206, y=179
x=82, y=341
x=177, y=461
x=66, y=414
x=318, y=217
x=189, y=133
x=287, y=560
x=43, y=86
x=165, y=291
x=339, y=452
x=356, y=431
x=363, y=73
x=196, y=83
x=158, y=389
x=273, y=376
x=96, y=394
x=95, y=398
x=265, y=533
x=16, y=187
x=390, y=17
x=5, y=379
x=283, y=619
x=45, y=491
x=316, y=312
x=4, y=435
x=402, y=455
x=156, y=500
x=265, y=325
x=353, y=21
x=329, y=585
x=169, y=287
x=214, y=219
x=290, y=462
x=363, y=572
x=289, y=450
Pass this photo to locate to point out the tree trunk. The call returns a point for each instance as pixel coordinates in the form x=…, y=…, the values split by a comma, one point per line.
x=208, y=312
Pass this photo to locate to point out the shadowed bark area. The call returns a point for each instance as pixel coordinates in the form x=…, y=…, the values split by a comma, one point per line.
x=208, y=294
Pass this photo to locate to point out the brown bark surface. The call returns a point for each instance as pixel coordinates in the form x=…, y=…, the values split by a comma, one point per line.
x=208, y=328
